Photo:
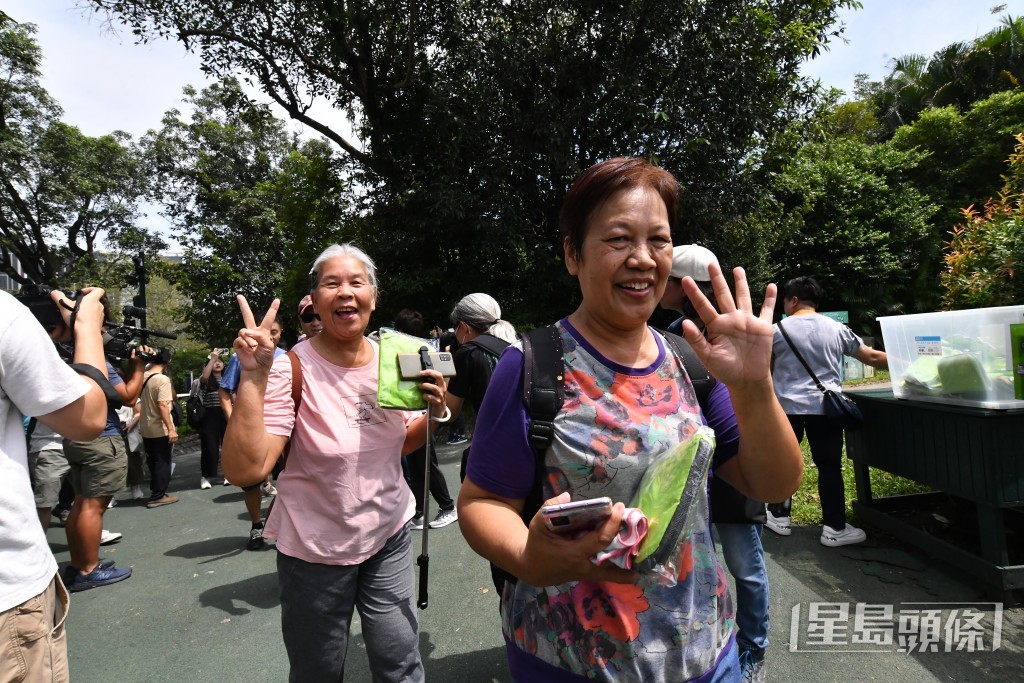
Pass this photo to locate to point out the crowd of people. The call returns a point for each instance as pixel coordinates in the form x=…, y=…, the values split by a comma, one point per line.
x=347, y=477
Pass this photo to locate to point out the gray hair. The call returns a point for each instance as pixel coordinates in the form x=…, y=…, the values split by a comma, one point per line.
x=481, y=312
x=347, y=249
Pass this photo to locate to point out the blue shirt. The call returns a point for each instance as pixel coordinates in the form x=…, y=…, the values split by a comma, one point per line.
x=233, y=372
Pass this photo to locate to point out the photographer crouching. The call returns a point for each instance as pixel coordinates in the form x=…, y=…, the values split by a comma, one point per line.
x=72, y=400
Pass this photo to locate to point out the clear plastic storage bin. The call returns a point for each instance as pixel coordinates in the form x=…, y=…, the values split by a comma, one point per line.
x=956, y=357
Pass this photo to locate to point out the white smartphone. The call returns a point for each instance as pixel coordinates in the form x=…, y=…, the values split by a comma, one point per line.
x=410, y=365
x=581, y=515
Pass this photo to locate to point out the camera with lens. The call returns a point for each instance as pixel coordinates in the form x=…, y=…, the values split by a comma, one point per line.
x=118, y=340
x=37, y=299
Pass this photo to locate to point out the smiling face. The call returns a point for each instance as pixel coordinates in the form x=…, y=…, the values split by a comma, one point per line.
x=625, y=258
x=344, y=298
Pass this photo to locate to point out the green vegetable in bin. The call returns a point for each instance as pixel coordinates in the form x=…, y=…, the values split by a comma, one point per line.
x=962, y=374
x=669, y=482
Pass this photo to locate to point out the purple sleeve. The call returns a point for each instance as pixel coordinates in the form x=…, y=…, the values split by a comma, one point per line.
x=501, y=459
x=720, y=417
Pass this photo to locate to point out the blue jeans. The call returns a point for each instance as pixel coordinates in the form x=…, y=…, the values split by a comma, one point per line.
x=744, y=556
x=316, y=611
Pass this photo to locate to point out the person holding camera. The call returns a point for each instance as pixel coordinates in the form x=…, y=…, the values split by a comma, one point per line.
x=99, y=469
x=211, y=433
x=72, y=401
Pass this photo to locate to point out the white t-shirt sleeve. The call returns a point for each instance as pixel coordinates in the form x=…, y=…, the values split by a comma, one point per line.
x=33, y=375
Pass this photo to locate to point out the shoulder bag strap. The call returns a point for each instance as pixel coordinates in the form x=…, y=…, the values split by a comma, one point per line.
x=800, y=358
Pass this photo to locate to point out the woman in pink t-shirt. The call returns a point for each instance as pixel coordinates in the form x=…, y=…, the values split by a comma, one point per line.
x=343, y=507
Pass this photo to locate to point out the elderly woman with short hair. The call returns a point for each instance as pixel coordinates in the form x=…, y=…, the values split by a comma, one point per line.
x=342, y=510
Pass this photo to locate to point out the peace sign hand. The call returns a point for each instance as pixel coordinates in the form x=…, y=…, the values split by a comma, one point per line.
x=254, y=345
x=738, y=346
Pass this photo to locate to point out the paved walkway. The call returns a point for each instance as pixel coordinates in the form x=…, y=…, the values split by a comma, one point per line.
x=199, y=607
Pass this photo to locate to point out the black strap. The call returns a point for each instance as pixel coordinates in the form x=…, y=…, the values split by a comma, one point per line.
x=31, y=427
x=796, y=352
x=490, y=344
x=113, y=398
x=543, y=384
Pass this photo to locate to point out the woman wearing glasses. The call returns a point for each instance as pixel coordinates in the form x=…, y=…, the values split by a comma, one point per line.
x=309, y=321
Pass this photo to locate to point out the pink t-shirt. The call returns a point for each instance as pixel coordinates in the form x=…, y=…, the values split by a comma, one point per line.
x=342, y=494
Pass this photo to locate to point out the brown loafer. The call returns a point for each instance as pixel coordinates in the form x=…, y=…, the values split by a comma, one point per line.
x=166, y=500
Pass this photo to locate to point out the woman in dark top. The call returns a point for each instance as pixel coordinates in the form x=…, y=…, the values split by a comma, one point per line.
x=211, y=434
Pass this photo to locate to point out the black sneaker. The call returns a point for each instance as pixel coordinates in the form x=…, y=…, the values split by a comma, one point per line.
x=255, y=539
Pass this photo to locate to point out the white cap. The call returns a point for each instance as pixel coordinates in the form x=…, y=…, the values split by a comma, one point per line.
x=692, y=260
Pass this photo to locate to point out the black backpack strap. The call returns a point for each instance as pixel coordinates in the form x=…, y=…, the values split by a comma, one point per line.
x=543, y=377
x=490, y=344
x=700, y=378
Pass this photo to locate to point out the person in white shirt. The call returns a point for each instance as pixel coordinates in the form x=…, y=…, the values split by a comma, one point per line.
x=35, y=382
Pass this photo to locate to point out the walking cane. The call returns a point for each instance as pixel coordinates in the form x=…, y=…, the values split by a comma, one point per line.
x=424, y=559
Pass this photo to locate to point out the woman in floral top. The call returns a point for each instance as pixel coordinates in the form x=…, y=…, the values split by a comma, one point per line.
x=628, y=399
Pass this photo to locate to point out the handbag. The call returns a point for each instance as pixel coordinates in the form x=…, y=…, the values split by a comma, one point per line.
x=195, y=409
x=841, y=411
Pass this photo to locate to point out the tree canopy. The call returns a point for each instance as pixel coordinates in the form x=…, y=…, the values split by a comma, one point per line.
x=469, y=120
x=248, y=202
x=63, y=195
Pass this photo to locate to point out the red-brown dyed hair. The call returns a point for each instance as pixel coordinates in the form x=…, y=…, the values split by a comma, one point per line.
x=601, y=181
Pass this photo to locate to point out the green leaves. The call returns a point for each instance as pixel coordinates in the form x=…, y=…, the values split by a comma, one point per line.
x=471, y=119
x=64, y=194
x=250, y=205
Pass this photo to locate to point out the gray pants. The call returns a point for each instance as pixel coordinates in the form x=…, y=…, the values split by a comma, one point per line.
x=47, y=468
x=316, y=611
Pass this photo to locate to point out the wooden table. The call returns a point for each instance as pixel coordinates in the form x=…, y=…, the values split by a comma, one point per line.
x=975, y=454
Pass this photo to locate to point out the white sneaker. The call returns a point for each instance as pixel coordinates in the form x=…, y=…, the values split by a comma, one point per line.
x=226, y=482
x=112, y=503
x=847, y=536
x=268, y=489
x=779, y=525
x=108, y=537
x=444, y=518
x=204, y=483
x=137, y=493
x=417, y=523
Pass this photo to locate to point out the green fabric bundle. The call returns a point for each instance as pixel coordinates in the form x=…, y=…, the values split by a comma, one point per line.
x=392, y=390
x=667, y=492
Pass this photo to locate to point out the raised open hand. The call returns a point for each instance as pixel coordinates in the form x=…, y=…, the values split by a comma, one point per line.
x=254, y=345
x=738, y=347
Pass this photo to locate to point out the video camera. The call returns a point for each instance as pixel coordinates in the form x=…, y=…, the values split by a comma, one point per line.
x=118, y=340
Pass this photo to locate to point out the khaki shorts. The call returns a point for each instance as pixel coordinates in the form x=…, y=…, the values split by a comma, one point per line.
x=99, y=467
x=47, y=469
x=33, y=642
